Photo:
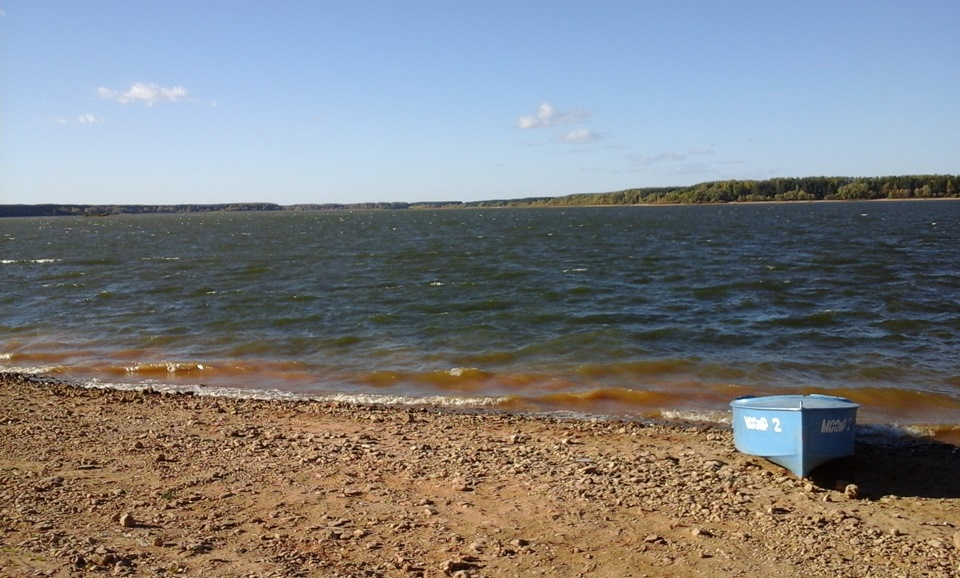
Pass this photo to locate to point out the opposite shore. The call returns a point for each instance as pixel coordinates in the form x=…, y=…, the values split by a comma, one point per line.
x=804, y=189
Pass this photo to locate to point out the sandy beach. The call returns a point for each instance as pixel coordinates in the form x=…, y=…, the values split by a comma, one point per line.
x=125, y=483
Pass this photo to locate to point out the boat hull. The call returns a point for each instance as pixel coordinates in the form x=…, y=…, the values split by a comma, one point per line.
x=798, y=432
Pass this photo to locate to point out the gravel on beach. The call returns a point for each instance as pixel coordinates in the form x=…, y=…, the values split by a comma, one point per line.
x=139, y=483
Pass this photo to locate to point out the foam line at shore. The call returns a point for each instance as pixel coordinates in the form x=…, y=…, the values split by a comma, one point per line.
x=889, y=433
x=278, y=395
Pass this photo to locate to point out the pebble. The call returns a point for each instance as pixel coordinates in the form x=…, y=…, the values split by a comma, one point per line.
x=956, y=540
x=479, y=546
x=852, y=491
x=451, y=566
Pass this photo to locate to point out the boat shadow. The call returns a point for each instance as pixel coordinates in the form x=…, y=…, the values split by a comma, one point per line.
x=917, y=468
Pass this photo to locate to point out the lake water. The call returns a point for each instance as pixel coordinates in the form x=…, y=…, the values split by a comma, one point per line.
x=638, y=312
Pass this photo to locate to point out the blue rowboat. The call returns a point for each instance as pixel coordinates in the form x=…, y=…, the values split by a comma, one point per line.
x=798, y=432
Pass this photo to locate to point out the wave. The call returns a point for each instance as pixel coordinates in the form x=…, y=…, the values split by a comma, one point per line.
x=653, y=367
x=33, y=369
x=894, y=433
x=283, y=395
x=29, y=261
x=165, y=368
x=450, y=380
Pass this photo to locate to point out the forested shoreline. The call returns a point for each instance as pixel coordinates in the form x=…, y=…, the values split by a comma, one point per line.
x=715, y=192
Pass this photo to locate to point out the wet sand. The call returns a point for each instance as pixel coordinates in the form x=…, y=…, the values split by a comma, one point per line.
x=100, y=482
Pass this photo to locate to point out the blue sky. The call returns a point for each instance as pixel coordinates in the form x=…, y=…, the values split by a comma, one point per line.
x=352, y=101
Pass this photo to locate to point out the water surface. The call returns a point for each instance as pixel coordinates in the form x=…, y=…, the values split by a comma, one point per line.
x=631, y=311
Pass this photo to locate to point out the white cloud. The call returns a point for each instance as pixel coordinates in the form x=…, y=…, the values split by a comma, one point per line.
x=89, y=119
x=149, y=94
x=548, y=115
x=576, y=136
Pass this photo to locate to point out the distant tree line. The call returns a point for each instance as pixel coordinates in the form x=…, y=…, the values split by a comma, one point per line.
x=54, y=210
x=782, y=189
x=731, y=191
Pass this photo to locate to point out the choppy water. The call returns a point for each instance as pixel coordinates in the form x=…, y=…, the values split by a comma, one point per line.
x=634, y=311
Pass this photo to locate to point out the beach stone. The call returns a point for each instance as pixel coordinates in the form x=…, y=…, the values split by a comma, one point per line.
x=479, y=546
x=653, y=539
x=107, y=559
x=700, y=532
x=50, y=483
x=452, y=566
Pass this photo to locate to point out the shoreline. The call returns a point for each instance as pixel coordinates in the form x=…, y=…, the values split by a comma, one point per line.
x=872, y=420
x=759, y=203
x=142, y=483
x=891, y=427
x=37, y=210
